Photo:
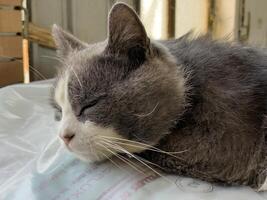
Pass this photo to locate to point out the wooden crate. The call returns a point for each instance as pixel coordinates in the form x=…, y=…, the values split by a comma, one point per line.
x=10, y=21
x=10, y=73
x=11, y=2
x=11, y=46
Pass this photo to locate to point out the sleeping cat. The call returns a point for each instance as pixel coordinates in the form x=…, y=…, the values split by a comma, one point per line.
x=193, y=107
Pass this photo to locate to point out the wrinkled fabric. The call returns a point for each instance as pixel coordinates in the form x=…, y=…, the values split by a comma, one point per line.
x=35, y=165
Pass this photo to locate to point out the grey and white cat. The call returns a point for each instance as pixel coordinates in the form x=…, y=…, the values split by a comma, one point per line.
x=194, y=107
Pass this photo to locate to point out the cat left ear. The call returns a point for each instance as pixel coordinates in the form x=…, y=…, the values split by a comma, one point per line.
x=65, y=42
x=126, y=33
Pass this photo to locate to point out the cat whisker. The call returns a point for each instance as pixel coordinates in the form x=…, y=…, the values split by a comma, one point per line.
x=125, y=140
x=146, y=115
x=38, y=73
x=133, y=164
x=125, y=160
x=203, y=173
x=112, y=161
x=141, y=145
x=80, y=83
x=69, y=66
x=145, y=160
x=54, y=58
x=152, y=149
x=140, y=161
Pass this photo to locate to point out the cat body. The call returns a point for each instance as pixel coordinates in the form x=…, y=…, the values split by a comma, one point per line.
x=194, y=107
x=222, y=133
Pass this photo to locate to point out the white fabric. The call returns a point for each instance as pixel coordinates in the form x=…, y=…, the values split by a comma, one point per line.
x=33, y=164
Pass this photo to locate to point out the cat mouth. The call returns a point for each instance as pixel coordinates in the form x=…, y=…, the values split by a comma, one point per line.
x=68, y=147
x=85, y=152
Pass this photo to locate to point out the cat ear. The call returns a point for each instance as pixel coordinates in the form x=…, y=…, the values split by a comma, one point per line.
x=65, y=42
x=126, y=33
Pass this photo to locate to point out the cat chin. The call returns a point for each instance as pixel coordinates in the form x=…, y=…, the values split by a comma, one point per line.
x=89, y=158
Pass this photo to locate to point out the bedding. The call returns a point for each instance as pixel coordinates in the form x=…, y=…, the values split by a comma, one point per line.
x=34, y=164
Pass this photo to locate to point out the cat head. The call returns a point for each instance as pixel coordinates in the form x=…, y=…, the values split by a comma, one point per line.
x=116, y=96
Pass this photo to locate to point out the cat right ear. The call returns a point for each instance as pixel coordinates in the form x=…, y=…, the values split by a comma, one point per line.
x=126, y=33
x=66, y=42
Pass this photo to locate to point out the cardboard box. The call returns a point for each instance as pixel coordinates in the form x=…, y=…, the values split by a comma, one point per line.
x=10, y=21
x=11, y=46
x=11, y=2
x=10, y=73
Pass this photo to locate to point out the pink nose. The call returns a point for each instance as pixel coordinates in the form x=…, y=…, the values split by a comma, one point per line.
x=67, y=138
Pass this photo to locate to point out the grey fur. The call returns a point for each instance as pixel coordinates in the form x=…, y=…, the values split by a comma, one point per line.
x=207, y=97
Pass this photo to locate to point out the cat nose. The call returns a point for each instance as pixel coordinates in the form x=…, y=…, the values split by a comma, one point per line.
x=67, y=137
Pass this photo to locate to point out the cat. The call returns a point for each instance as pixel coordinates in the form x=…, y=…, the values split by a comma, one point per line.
x=191, y=106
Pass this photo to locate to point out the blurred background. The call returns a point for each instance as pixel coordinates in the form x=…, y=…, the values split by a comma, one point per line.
x=27, y=51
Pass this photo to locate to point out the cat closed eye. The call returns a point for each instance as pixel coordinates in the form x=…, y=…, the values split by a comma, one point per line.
x=87, y=106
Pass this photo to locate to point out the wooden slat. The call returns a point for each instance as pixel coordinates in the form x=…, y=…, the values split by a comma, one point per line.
x=11, y=46
x=225, y=19
x=191, y=15
x=171, y=18
x=11, y=2
x=10, y=73
x=10, y=21
x=154, y=15
x=41, y=36
x=26, y=62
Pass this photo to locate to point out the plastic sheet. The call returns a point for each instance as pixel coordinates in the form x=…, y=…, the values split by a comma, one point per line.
x=34, y=165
